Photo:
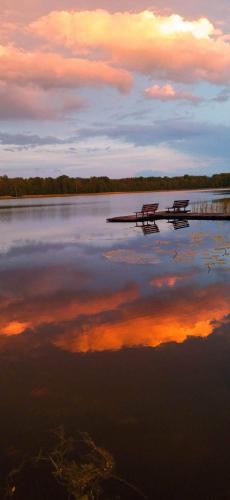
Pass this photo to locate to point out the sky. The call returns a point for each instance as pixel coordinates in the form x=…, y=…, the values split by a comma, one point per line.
x=116, y=88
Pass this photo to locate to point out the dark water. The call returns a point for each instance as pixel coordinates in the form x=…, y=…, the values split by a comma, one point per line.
x=121, y=334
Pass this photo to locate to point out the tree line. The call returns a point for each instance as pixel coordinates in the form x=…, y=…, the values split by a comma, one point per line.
x=64, y=185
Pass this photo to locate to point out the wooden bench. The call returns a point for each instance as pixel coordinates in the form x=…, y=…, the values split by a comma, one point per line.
x=147, y=210
x=178, y=205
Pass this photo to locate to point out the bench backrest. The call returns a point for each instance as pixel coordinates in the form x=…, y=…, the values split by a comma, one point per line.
x=151, y=207
x=180, y=203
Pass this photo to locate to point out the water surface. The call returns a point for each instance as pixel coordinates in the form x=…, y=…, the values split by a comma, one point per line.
x=120, y=333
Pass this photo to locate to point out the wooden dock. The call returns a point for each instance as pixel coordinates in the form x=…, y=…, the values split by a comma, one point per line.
x=171, y=215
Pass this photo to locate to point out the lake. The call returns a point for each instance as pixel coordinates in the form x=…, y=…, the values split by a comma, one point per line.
x=120, y=332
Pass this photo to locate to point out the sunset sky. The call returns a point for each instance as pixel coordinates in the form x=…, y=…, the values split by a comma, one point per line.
x=116, y=88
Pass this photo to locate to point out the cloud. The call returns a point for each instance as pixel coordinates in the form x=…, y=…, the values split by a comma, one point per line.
x=163, y=46
x=185, y=136
x=170, y=280
x=60, y=310
x=169, y=93
x=223, y=96
x=17, y=103
x=60, y=304
x=31, y=103
x=30, y=140
x=94, y=48
x=219, y=10
x=14, y=328
x=170, y=317
x=101, y=29
x=7, y=29
x=50, y=70
x=177, y=134
x=32, y=310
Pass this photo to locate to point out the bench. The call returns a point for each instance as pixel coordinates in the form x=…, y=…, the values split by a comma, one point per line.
x=147, y=210
x=178, y=205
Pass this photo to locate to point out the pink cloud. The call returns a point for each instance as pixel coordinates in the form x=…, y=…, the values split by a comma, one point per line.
x=164, y=46
x=34, y=104
x=218, y=10
x=169, y=93
x=51, y=70
x=170, y=280
x=72, y=49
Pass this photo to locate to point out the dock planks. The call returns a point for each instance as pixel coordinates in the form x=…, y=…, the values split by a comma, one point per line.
x=171, y=215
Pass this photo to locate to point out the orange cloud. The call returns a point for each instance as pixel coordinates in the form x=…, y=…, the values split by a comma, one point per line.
x=80, y=320
x=172, y=319
x=164, y=46
x=169, y=93
x=147, y=331
x=14, y=328
x=50, y=70
x=60, y=309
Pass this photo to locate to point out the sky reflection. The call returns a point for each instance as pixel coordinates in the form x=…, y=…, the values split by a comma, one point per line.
x=100, y=294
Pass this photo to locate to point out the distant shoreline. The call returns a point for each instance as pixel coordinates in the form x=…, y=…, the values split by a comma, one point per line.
x=37, y=196
x=64, y=186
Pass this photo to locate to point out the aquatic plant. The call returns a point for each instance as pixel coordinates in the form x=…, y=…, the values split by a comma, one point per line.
x=73, y=469
x=81, y=475
x=78, y=465
x=211, y=206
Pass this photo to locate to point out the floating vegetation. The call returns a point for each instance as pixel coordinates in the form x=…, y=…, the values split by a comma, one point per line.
x=73, y=469
x=78, y=466
x=129, y=256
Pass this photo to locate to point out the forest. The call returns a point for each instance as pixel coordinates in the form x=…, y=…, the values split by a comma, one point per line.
x=64, y=185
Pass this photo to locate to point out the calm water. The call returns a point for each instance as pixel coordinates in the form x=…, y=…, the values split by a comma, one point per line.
x=124, y=335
